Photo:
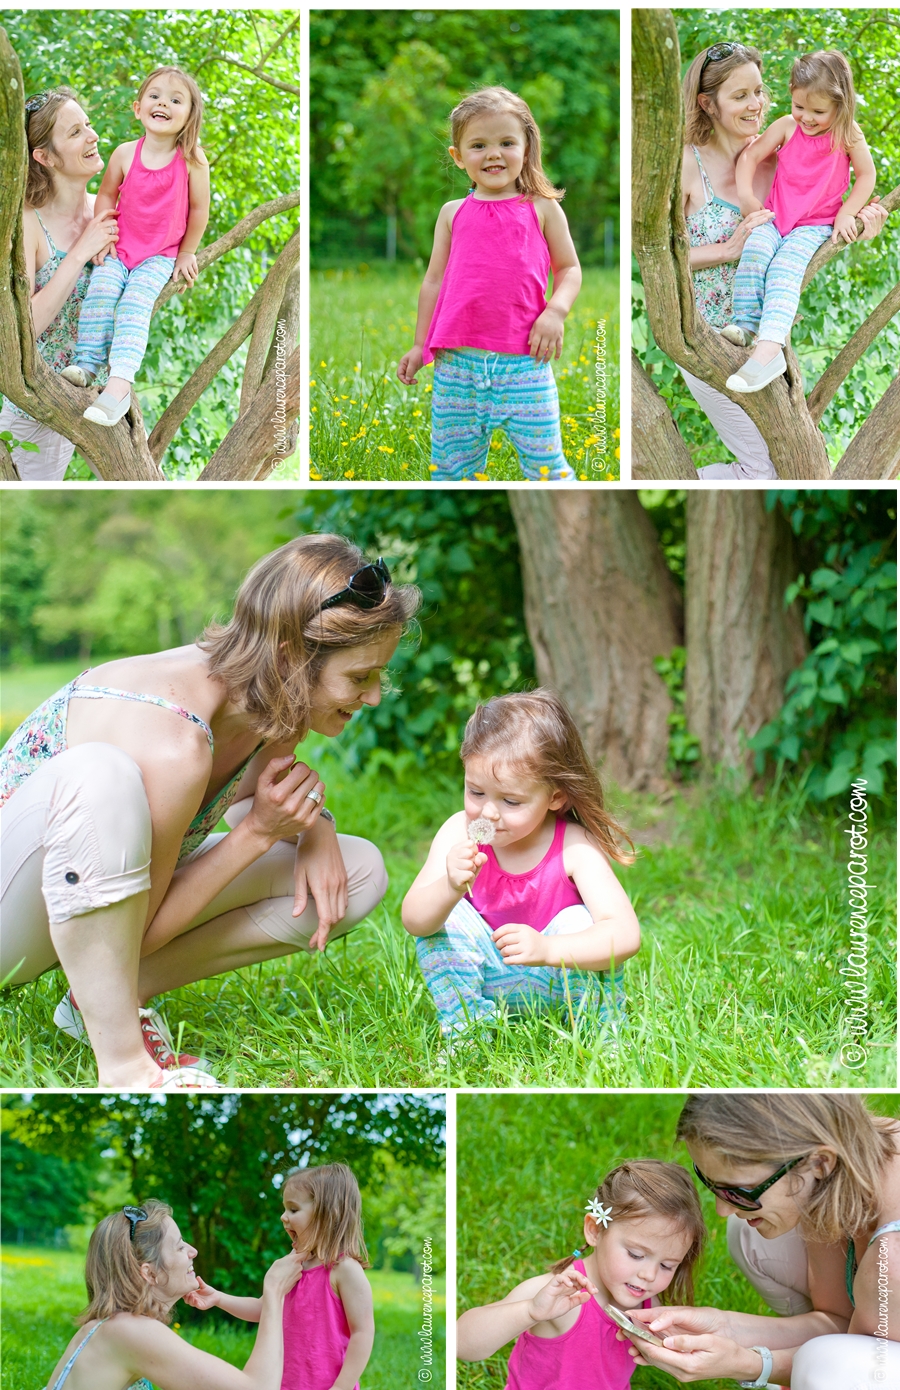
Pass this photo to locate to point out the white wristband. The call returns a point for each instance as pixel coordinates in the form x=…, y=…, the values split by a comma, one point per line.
x=763, y=1378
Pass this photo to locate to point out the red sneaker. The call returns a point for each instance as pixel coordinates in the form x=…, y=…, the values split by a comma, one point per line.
x=157, y=1038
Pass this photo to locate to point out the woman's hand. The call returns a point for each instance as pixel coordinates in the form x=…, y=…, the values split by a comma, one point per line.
x=873, y=218
x=410, y=363
x=204, y=1297
x=282, y=807
x=283, y=1274
x=463, y=863
x=564, y=1292
x=733, y=248
x=99, y=236
x=697, y=1345
x=320, y=871
x=520, y=944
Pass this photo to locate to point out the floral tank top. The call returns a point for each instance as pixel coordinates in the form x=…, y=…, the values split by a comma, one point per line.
x=713, y=223
x=43, y=735
x=57, y=342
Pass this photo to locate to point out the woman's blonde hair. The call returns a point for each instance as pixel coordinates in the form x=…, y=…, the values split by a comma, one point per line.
x=113, y=1269
x=270, y=655
x=706, y=81
x=533, y=732
x=648, y=1187
x=188, y=138
x=532, y=182
x=744, y=1128
x=337, y=1212
x=39, y=126
x=828, y=74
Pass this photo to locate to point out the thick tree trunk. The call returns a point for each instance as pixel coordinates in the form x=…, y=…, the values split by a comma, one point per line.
x=657, y=449
x=600, y=604
x=874, y=452
x=741, y=642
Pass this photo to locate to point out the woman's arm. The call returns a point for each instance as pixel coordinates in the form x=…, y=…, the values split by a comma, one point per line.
x=198, y=216
x=778, y=133
x=99, y=234
x=705, y=1343
x=444, y=879
x=355, y=1293
x=411, y=361
x=482, y=1331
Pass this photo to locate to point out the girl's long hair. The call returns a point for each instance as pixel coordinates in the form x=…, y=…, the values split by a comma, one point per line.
x=829, y=75
x=647, y=1187
x=337, y=1216
x=532, y=182
x=270, y=655
x=113, y=1269
x=771, y=1129
x=39, y=133
x=188, y=138
x=534, y=732
x=700, y=81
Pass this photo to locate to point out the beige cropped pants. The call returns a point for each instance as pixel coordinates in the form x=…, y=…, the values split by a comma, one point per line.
x=779, y=1271
x=76, y=836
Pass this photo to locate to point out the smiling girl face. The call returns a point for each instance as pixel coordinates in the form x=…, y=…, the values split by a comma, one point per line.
x=298, y=1215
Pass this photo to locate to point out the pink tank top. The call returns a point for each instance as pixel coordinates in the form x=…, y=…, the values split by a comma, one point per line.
x=810, y=182
x=495, y=284
x=534, y=897
x=316, y=1333
x=153, y=209
x=587, y=1357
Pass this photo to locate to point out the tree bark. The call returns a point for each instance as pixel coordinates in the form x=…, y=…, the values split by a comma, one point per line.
x=254, y=446
x=657, y=449
x=822, y=394
x=266, y=319
x=741, y=643
x=875, y=451
x=600, y=605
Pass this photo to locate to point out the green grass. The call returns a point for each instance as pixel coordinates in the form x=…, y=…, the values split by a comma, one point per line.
x=559, y=1147
x=745, y=927
x=43, y=1290
x=366, y=425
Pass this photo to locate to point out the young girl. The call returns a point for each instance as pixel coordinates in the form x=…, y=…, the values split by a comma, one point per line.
x=161, y=183
x=328, y=1323
x=483, y=315
x=644, y=1233
x=537, y=916
x=817, y=146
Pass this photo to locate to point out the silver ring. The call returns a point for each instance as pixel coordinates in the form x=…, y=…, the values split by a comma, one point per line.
x=314, y=796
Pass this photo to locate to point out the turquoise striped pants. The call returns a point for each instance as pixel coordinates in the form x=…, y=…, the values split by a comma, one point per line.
x=768, y=278
x=115, y=316
x=477, y=392
x=467, y=976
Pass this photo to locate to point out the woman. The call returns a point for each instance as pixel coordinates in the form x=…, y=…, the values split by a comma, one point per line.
x=816, y=1178
x=725, y=105
x=138, y=1267
x=113, y=790
x=61, y=237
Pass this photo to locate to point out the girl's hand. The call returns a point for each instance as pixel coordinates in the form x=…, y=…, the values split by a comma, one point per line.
x=733, y=248
x=519, y=944
x=844, y=227
x=205, y=1297
x=410, y=363
x=186, y=266
x=873, y=218
x=320, y=871
x=565, y=1291
x=463, y=863
x=99, y=236
x=283, y=1274
x=283, y=809
x=546, y=337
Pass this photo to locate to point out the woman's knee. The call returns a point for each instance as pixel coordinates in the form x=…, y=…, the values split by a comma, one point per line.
x=367, y=879
x=845, y=1361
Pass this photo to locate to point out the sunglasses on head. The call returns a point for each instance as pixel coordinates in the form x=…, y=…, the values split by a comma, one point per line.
x=364, y=589
x=35, y=103
x=720, y=51
x=746, y=1198
x=134, y=1214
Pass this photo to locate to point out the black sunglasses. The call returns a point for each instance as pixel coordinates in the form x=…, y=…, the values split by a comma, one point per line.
x=35, y=103
x=365, y=589
x=135, y=1214
x=720, y=51
x=745, y=1198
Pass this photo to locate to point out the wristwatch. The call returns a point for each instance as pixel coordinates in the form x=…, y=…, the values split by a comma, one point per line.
x=325, y=814
x=763, y=1377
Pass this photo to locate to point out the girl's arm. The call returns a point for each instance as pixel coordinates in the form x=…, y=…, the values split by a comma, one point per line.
x=546, y=337
x=411, y=361
x=355, y=1293
x=198, y=216
x=778, y=133
x=863, y=187
x=482, y=1331
x=206, y=1297
x=444, y=879
x=614, y=934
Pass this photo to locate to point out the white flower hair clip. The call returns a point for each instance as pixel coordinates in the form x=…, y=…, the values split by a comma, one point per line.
x=601, y=1214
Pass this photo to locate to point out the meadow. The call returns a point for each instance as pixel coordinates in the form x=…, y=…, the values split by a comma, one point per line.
x=559, y=1148
x=43, y=1290
x=365, y=425
x=741, y=902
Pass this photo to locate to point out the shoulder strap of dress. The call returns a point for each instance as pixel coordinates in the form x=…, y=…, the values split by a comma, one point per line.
x=64, y=1373
x=54, y=251
x=101, y=692
x=884, y=1230
x=707, y=186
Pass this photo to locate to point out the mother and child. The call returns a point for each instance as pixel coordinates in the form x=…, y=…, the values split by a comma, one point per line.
x=316, y=1327
x=484, y=318
x=810, y=1186
x=767, y=201
x=97, y=264
x=113, y=789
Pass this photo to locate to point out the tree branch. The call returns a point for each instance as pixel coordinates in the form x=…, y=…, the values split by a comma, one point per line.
x=657, y=449
x=266, y=316
x=257, y=70
x=874, y=451
x=8, y=471
x=275, y=407
x=830, y=249
x=822, y=394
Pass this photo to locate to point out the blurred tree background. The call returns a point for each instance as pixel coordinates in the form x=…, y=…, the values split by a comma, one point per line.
x=246, y=64
x=87, y=576
x=843, y=294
